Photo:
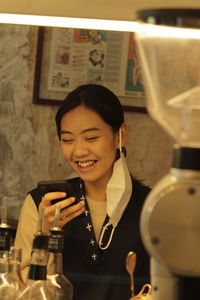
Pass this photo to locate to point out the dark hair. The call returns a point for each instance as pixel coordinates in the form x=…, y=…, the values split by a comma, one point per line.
x=96, y=97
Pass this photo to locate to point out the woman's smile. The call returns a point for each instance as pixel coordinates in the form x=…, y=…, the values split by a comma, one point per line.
x=86, y=165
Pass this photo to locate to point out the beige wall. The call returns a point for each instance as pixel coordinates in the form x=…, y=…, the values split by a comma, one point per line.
x=29, y=148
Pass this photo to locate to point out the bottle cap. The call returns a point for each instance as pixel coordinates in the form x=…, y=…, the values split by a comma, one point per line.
x=5, y=238
x=55, y=241
x=40, y=241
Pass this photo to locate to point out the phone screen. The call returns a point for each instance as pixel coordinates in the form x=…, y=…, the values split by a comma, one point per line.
x=56, y=186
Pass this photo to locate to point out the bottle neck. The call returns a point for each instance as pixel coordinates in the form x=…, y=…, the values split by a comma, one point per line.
x=38, y=266
x=55, y=263
x=4, y=255
x=14, y=266
x=37, y=272
x=15, y=260
x=4, y=261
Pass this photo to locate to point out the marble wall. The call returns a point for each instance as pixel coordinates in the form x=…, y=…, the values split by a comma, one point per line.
x=29, y=149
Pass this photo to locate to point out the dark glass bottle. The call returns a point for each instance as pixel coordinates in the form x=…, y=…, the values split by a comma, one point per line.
x=36, y=284
x=10, y=284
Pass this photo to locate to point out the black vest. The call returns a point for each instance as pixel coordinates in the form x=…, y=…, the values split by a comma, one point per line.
x=101, y=274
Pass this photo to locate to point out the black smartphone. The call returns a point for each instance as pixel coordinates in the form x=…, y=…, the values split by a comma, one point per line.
x=57, y=186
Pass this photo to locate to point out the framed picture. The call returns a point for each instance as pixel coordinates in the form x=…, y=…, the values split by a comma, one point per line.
x=67, y=58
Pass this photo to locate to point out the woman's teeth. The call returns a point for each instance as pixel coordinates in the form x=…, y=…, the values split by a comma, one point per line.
x=86, y=163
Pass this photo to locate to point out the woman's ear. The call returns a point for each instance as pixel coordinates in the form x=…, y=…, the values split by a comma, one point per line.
x=124, y=133
x=123, y=130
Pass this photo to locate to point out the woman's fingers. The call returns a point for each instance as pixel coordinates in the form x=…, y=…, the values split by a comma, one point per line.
x=72, y=212
x=48, y=197
x=73, y=209
x=68, y=210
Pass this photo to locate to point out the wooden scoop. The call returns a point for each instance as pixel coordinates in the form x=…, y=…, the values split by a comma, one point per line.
x=130, y=267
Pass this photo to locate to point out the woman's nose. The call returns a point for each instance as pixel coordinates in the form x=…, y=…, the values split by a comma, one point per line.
x=80, y=149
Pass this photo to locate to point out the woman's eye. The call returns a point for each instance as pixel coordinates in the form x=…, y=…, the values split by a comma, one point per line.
x=67, y=141
x=92, y=138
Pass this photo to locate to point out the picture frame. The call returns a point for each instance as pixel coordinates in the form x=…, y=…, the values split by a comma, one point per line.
x=131, y=101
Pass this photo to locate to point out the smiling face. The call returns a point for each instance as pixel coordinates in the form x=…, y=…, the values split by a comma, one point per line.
x=89, y=144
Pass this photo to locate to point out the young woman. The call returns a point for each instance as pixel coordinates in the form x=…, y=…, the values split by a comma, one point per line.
x=103, y=227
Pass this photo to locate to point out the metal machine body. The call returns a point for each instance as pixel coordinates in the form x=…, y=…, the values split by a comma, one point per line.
x=170, y=227
x=170, y=220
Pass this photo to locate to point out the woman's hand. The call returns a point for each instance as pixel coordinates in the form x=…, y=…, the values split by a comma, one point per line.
x=67, y=212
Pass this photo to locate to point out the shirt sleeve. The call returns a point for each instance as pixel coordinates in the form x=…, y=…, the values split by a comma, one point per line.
x=26, y=229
